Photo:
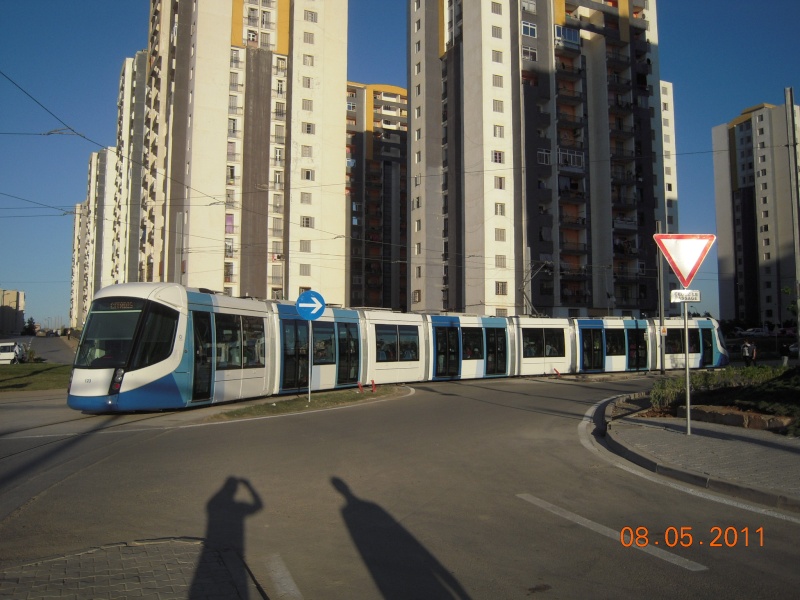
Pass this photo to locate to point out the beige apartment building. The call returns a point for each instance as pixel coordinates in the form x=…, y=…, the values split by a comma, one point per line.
x=229, y=170
x=755, y=197
x=535, y=157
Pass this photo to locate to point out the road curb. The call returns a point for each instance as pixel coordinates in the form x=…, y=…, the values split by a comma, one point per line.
x=647, y=461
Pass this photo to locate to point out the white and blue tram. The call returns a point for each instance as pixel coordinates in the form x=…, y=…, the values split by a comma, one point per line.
x=155, y=346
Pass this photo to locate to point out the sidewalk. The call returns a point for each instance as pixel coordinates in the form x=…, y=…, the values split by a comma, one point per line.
x=158, y=569
x=754, y=465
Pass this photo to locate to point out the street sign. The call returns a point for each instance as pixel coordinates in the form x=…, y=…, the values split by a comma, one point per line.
x=310, y=305
x=676, y=296
x=685, y=252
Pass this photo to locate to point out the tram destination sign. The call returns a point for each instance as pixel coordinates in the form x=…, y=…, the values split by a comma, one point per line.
x=677, y=296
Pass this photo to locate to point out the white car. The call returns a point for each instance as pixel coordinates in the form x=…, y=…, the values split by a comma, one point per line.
x=755, y=332
x=11, y=352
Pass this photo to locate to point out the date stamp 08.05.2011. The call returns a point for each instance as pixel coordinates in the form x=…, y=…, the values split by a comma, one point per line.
x=686, y=537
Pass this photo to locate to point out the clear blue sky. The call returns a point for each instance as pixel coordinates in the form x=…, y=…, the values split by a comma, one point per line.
x=721, y=55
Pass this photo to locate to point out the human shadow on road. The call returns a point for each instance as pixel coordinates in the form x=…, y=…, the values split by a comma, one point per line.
x=401, y=567
x=223, y=549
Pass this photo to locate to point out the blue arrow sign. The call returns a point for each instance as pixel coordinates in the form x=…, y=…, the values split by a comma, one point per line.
x=310, y=305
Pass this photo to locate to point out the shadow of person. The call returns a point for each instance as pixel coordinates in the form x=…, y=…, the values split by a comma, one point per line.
x=401, y=567
x=225, y=537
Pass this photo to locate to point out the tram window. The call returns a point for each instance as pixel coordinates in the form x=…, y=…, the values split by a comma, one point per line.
x=229, y=344
x=158, y=337
x=615, y=342
x=254, y=341
x=386, y=342
x=532, y=342
x=324, y=343
x=554, y=342
x=409, y=342
x=472, y=343
x=674, y=342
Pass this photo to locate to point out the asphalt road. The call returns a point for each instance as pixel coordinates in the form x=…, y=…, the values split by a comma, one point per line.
x=489, y=489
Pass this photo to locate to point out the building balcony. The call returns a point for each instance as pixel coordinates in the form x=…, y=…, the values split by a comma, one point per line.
x=573, y=247
x=619, y=107
x=569, y=121
x=621, y=201
x=620, y=131
x=570, y=222
x=575, y=297
x=623, y=178
x=617, y=60
x=626, y=224
x=623, y=275
x=572, y=196
x=568, y=96
x=568, y=72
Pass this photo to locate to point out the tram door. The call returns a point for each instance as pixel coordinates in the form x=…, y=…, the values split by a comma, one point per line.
x=706, y=347
x=495, y=351
x=294, y=338
x=201, y=384
x=447, y=351
x=592, y=349
x=348, y=354
x=637, y=349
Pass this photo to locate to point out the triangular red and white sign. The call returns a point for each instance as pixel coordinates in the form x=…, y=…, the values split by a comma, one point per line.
x=685, y=252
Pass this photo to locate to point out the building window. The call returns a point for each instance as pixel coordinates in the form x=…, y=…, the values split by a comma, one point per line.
x=499, y=235
x=305, y=245
x=418, y=272
x=529, y=29
x=497, y=56
x=497, y=32
x=308, y=128
x=308, y=104
x=416, y=296
x=767, y=256
x=418, y=156
x=501, y=288
x=310, y=16
x=417, y=46
x=417, y=68
x=500, y=261
x=305, y=270
x=305, y=197
x=418, y=225
x=418, y=248
x=307, y=174
x=417, y=25
x=529, y=6
x=543, y=157
x=497, y=8
x=308, y=60
x=500, y=209
x=306, y=151
x=497, y=81
x=307, y=222
x=497, y=106
x=498, y=156
x=499, y=131
x=307, y=82
x=499, y=183
x=308, y=37
x=529, y=53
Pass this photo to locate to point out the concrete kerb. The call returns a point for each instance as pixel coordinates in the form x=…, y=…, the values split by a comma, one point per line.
x=617, y=444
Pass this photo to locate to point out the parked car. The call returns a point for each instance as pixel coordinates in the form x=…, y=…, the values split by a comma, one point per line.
x=755, y=332
x=12, y=352
x=793, y=349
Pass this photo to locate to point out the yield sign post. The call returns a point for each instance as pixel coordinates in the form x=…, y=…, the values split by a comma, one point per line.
x=685, y=253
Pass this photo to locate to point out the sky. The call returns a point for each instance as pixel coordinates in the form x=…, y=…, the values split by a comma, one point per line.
x=60, y=64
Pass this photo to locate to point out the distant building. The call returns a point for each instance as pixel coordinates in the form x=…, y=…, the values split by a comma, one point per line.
x=754, y=196
x=377, y=246
x=535, y=157
x=12, y=312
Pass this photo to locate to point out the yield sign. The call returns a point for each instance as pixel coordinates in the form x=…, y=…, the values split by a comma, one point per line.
x=685, y=252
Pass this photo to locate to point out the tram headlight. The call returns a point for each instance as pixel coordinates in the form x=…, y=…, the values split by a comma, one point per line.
x=116, y=381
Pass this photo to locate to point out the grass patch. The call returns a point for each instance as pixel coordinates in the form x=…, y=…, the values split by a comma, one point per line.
x=34, y=377
x=281, y=405
x=767, y=390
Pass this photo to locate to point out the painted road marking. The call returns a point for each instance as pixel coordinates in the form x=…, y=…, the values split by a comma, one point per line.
x=282, y=581
x=610, y=533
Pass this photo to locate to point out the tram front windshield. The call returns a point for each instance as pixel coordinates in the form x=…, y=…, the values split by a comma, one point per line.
x=108, y=337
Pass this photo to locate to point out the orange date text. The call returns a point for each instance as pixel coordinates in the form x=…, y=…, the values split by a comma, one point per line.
x=686, y=537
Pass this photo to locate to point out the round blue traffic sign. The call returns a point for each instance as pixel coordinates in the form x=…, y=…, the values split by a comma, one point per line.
x=310, y=305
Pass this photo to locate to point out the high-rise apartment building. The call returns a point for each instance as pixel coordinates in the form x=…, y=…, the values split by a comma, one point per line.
x=755, y=195
x=377, y=198
x=229, y=171
x=536, y=167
